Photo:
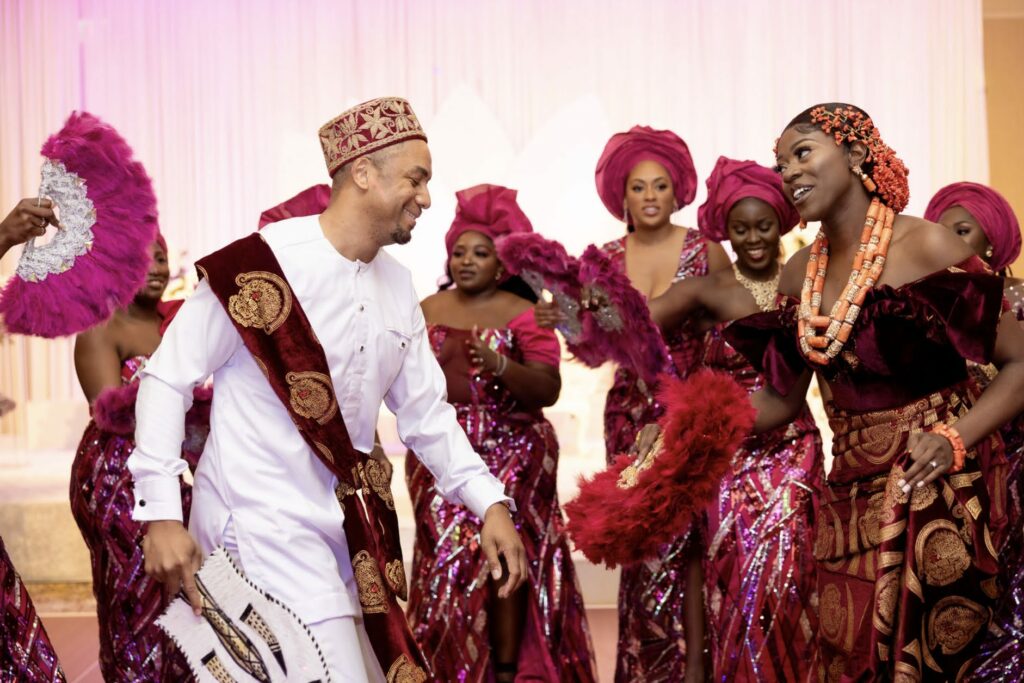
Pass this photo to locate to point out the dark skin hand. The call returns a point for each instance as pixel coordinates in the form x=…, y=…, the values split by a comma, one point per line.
x=27, y=219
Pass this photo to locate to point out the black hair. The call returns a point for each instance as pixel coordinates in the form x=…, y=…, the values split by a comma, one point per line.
x=803, y=123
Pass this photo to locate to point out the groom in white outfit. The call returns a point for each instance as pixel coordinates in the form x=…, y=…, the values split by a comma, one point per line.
x=260, y=490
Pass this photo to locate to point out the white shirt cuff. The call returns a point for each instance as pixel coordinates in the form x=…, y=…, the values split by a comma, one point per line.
x=480, y=493
x=157, y=498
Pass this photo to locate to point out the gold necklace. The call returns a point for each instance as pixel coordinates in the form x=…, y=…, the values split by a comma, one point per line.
x=763, y=291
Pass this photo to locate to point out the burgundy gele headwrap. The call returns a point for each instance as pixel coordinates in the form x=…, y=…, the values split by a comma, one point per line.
x=732, y=180
x=889, y=173
x=993, y=213
x=488, y=209
x=642, y=143
x=99, y=257
x=310, y=202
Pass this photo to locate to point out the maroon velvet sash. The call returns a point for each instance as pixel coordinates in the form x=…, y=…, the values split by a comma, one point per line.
x=248, y=281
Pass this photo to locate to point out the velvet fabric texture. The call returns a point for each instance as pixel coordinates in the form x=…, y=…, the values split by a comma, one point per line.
x=993, y=213
x=908, y=341
x=732, y=180
x=643, y=143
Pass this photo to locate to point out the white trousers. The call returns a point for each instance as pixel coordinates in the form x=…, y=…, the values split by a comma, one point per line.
x=343, y=640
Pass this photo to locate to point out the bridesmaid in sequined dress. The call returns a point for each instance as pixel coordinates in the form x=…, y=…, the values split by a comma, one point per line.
x=985, y=220
x=109, y=359
x=26, y=653
x=643, y=177
x=759, y=566
x=501, y=370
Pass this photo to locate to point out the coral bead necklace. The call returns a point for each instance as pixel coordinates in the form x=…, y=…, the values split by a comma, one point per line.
x=822, y=337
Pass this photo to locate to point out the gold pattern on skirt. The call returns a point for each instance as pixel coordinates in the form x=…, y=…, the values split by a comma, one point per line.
x=311, y=395
x=954, y=622
x=887, y=592
x=264, y=301
x=372, y=594
x=403, y=670
x=941, y=553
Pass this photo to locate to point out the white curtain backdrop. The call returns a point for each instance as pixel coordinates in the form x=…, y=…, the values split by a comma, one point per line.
x=222, y=99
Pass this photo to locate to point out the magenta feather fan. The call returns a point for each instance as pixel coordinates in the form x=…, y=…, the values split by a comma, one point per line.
x=100, y=255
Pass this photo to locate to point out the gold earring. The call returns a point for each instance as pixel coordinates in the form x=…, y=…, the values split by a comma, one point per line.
x=869, y=184
x=989, y=252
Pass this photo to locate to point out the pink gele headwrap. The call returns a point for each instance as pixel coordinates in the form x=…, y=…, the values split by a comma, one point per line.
x=642, y=143
x=733, y=180
x=488, y=209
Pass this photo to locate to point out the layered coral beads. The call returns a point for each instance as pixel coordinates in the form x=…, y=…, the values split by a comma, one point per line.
x=822, y=337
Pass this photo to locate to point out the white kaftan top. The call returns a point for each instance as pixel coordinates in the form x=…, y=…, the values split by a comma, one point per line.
x=256, y=469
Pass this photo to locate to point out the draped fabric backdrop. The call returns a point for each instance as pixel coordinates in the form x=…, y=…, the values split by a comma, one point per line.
x=222, y=100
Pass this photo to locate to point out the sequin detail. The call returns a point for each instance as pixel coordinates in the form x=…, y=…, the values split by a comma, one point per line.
x=760, y=573
x=132, y=647
x=77, y=216
x=26, y=653
x=652, y=639
x=449, y=595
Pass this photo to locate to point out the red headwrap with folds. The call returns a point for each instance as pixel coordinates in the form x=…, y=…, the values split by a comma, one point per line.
x=993, y=213
x=642, y=143
x=488, y=209
x=731, y=181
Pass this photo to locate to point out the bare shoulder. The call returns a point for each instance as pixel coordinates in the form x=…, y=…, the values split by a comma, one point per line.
x=792, y=279
x=434, y=303
x=927, y=247
x=718, y=260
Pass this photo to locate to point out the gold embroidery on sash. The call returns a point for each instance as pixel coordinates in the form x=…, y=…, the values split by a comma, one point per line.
x=264, y=301
x=372, y=593
x=311, y=395
x=403, y=670
x=394, y=572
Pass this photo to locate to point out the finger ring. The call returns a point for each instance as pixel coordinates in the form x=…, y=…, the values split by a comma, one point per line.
x=935, y=464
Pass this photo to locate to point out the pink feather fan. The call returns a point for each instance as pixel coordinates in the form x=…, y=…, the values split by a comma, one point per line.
x=100, y=255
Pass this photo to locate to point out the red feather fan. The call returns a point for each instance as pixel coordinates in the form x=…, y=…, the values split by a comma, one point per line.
x=707, y=417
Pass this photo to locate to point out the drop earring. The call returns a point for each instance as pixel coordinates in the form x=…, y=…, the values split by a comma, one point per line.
x=869, y=184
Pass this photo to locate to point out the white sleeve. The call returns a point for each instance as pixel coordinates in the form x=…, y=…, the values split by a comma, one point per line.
x=427, y=424
x=200, y=339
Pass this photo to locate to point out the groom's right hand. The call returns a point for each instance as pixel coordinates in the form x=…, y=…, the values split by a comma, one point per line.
x=173, y=557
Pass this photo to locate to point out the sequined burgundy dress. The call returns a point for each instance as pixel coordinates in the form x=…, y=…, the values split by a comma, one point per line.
x=759, y=567
x=132, y=646
x=652, y=642
x=449, y=596
x=26, y=653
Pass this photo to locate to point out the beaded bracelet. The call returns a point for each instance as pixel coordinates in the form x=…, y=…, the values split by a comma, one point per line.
x=953, y=436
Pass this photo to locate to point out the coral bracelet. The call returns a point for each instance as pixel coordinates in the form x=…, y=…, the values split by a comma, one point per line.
x=953, y=436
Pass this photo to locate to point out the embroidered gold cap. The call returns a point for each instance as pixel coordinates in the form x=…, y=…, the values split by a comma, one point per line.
x=366, y=128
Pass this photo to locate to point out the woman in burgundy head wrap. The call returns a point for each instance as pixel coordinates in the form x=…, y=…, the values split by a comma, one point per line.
x=109, y=359
x=501, y=371
x=759, y=568
x=884, y=310
x=985, y=220
x=643, y=177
